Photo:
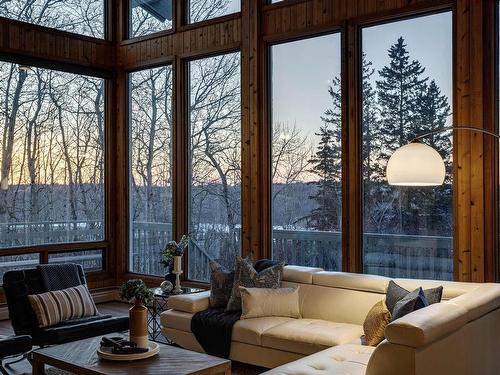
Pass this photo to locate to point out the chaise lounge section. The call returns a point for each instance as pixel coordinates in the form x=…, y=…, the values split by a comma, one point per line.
x=457, y=336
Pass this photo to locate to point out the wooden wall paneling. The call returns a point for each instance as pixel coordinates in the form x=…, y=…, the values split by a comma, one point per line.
x=214, y=37
x=180, y=153
x=491, y=161
x=49, y=46
x=255, y=149
x=352, y=222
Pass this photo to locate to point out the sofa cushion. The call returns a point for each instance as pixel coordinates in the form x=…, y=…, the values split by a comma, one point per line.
x=396, y=293
x=376, y=321
x=348, y=359
x=189, y=302
x=246, y=275
x=249, y=331
x=179, y=320
x=352, y=281
x=300, y=274
x=411, y=302
x=221, y=284
x=260, y=302
x=451, y=289
x=307, y=336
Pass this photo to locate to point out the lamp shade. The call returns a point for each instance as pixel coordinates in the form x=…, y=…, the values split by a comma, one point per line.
x=415, y=164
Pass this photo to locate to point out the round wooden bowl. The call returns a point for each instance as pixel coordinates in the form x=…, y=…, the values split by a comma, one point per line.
x=105, y=353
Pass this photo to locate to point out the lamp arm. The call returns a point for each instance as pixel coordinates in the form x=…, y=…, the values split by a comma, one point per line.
x=446, y=128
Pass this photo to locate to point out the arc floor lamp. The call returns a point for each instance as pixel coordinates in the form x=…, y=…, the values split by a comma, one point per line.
x=418, y=164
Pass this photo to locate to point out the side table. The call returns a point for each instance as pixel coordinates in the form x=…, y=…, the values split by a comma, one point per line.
x=159, y=305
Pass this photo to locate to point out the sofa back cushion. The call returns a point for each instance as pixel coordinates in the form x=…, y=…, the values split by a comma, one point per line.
x=348, y=297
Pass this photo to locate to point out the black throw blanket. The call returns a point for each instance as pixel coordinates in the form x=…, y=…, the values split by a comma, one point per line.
x=213, y=329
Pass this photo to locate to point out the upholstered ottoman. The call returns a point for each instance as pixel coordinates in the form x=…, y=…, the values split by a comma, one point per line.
x=348, y=359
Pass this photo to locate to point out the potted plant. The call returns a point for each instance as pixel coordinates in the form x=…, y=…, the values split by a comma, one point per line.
x=136, y=291
x=171, y=257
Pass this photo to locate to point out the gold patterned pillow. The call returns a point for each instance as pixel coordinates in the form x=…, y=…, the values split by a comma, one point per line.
x=375, y=322
x=60, y=305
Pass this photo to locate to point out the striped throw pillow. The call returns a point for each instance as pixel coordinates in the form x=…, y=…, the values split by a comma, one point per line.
x=61, y=305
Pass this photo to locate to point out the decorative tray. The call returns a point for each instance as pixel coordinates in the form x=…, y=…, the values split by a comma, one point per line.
x=105, y=353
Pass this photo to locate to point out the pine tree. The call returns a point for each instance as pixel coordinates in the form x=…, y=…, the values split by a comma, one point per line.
x=327, y=165
x=400, y=84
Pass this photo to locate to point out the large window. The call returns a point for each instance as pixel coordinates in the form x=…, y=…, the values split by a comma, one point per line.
x=201, y=10
x=215, y=162
x=150, y=163
x=149, y=16
x=52, y=157
x=77, y=16
x=306, y=152
x=407, y=90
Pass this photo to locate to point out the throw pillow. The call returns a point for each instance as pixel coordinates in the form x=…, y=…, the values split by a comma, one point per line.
x=260, y=302
x=396, y=293
x=60, y=305
x=411, y=302
x=221, y=284
x=375, y=322
x=246, y=275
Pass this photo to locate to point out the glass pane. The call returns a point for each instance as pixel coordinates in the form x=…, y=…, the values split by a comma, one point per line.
x=150, y=168
x=18, y=262
x=52, y=157
x=215, y=143
x=149, y=16
x=306, y=152
x=201, y=10
x=407, y=90
x=84, y=17
x=91, y=260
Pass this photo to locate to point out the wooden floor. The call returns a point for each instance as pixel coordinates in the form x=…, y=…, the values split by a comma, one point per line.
x=113, y=308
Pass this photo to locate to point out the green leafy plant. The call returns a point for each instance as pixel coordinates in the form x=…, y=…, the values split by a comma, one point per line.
x=173, y=249
x=135, y=290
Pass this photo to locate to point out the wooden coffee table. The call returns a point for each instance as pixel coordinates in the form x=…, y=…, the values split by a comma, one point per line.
x=80, y=357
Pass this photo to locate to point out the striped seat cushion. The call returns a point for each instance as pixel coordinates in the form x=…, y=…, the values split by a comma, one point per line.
x=60, y=305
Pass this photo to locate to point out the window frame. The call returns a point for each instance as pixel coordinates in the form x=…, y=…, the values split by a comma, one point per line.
x=105, y=245
x=377, y=21
x=268, y=95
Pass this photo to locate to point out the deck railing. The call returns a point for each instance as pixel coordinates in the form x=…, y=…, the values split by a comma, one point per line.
x=392, y=255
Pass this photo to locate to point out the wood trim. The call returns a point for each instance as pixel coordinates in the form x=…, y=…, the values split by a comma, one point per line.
x=352, y=223
x=255, y=154
x=22, y=40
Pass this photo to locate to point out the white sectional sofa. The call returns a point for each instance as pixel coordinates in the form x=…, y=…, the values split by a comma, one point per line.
x=460, y=335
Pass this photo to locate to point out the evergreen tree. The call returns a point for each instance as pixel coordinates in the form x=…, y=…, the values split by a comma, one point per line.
x=325, y=216
x=400, y=84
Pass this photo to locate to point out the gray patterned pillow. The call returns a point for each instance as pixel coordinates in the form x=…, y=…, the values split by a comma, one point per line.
x=395, y=293
x=221, y=285
x=411, y=302
x=246, y=275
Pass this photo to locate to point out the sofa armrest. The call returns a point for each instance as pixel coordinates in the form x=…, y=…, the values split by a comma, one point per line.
x=190, y=303
x=426, y=325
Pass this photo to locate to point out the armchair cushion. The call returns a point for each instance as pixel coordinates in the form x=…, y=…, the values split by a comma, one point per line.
x=14, y=345
x=80, y=329
x=60, y=305
x=190, y=303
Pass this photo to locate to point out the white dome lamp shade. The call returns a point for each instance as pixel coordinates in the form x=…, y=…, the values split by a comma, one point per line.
x=415, y=164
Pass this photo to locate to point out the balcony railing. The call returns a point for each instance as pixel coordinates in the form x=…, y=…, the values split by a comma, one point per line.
x=391, y=255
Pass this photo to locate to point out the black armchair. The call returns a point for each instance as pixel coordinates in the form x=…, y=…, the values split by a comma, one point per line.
x=13, y=346
x=21, y=283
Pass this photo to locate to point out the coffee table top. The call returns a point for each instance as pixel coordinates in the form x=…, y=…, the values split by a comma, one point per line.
x=80, y=357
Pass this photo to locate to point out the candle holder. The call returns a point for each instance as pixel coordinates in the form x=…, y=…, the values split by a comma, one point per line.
x=177, y=289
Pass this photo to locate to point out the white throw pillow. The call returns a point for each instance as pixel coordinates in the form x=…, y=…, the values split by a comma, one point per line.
x=260, y=302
